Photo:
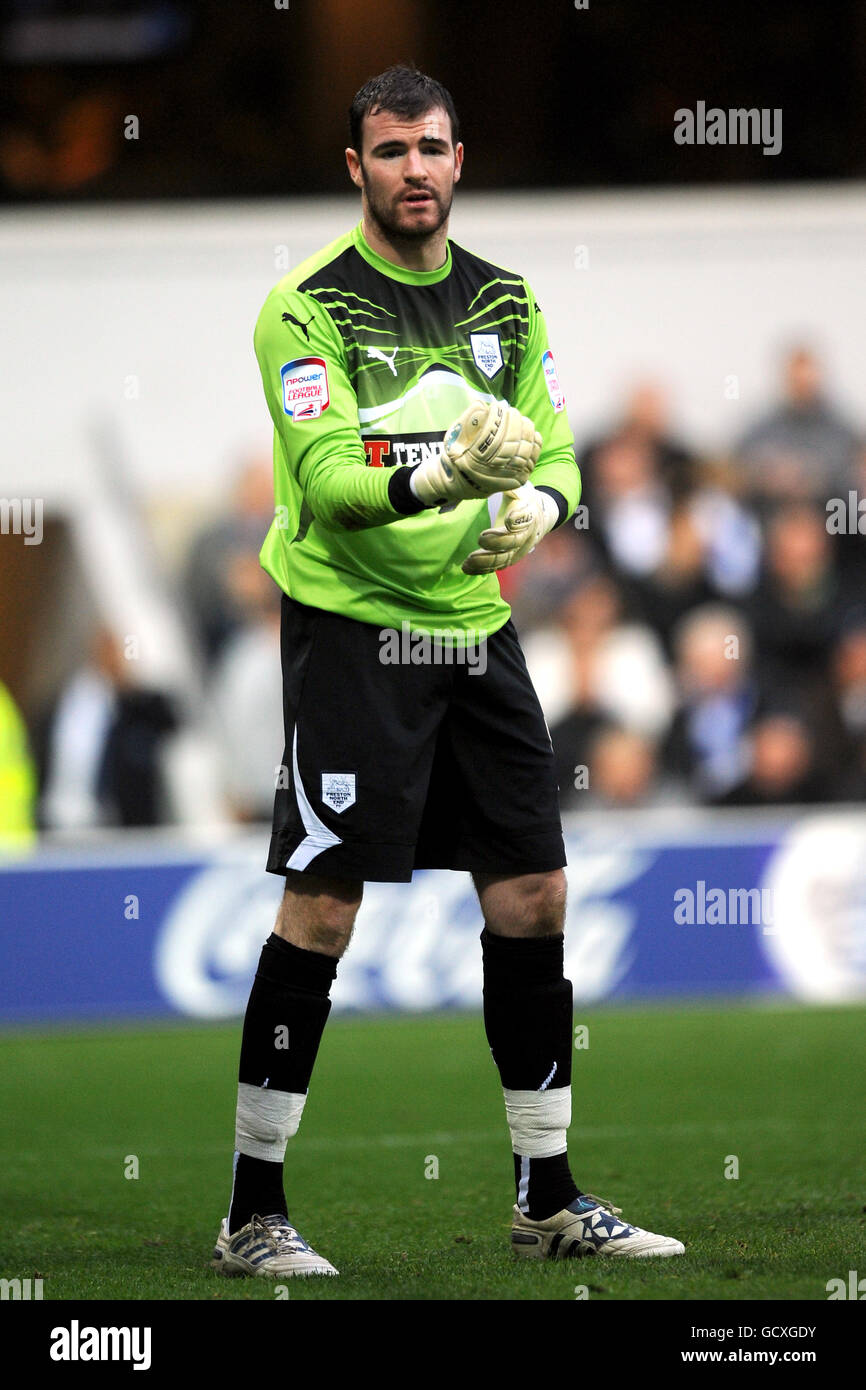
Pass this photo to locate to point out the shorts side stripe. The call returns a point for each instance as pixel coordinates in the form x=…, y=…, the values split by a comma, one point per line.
x=318, y=837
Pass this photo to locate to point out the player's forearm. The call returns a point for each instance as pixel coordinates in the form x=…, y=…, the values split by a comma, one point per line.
x=355, y=498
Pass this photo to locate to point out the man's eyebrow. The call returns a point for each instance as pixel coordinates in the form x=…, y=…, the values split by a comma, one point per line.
x=396, y=144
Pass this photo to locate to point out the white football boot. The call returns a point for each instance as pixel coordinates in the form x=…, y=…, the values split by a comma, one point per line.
x=589, y=1226
x=268, y=1248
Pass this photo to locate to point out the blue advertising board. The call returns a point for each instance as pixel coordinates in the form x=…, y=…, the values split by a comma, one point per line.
x=657, y=908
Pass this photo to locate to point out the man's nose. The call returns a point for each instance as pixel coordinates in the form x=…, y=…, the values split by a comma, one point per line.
x=413, y=168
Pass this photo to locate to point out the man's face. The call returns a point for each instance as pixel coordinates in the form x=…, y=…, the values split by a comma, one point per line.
x=802, y=378
x=407, y=171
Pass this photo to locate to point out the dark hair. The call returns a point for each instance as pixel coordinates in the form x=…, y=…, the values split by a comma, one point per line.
x=404, y=91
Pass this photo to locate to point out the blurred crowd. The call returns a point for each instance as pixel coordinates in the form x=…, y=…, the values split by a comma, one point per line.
x=696, y=634
x=102, y=746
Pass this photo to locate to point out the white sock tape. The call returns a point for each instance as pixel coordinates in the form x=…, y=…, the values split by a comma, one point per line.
x=266, y=1120
x=538, y=1121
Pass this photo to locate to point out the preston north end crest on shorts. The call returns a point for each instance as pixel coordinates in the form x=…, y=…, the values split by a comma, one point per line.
x=338, y=790
x=487, y=351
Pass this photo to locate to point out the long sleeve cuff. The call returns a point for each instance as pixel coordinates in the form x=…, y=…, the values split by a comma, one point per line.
x=400, y=494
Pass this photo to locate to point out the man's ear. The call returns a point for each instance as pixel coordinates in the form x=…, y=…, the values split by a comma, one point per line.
x=458, y=161
x=353, y=163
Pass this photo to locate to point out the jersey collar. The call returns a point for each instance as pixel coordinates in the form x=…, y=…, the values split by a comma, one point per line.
x=397, y=272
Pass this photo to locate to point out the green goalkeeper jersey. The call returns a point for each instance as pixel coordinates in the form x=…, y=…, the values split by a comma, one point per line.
x=365, y=365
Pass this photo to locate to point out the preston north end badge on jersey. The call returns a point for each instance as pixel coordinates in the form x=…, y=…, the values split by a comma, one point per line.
x=487, y=351
x=338, y=790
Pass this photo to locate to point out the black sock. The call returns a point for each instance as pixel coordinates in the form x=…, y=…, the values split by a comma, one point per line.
x=283, y=1025
x=528, y=1020
x=290, y=993
x=257, y=1188
x=547, y=1185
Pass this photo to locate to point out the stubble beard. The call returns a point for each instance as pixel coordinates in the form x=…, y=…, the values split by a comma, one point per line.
x=385, y=218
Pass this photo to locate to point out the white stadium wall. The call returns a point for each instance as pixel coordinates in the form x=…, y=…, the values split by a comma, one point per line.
x=139, y=319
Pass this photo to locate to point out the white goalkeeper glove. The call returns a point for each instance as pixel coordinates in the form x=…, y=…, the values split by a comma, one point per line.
x=524, y=516
x=490, y=448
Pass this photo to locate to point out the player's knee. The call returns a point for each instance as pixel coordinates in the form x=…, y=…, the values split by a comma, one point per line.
x=327, y=931
x=547, y=903
x=318, y=914
x=528, y=905
x=332, y=918
x=330, y=935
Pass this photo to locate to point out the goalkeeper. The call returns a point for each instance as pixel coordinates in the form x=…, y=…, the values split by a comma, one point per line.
x=420, y=444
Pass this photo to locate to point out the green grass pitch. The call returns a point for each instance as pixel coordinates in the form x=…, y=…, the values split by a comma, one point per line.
x=664, y=1098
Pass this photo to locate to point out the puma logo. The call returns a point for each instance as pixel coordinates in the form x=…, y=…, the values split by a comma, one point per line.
x=290, y=318
x=378, y=353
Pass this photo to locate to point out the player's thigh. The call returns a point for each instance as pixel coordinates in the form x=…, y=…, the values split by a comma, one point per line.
x=494, y=801
x=360, y=741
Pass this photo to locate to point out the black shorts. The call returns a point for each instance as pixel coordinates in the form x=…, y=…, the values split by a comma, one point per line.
x=395, y=767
